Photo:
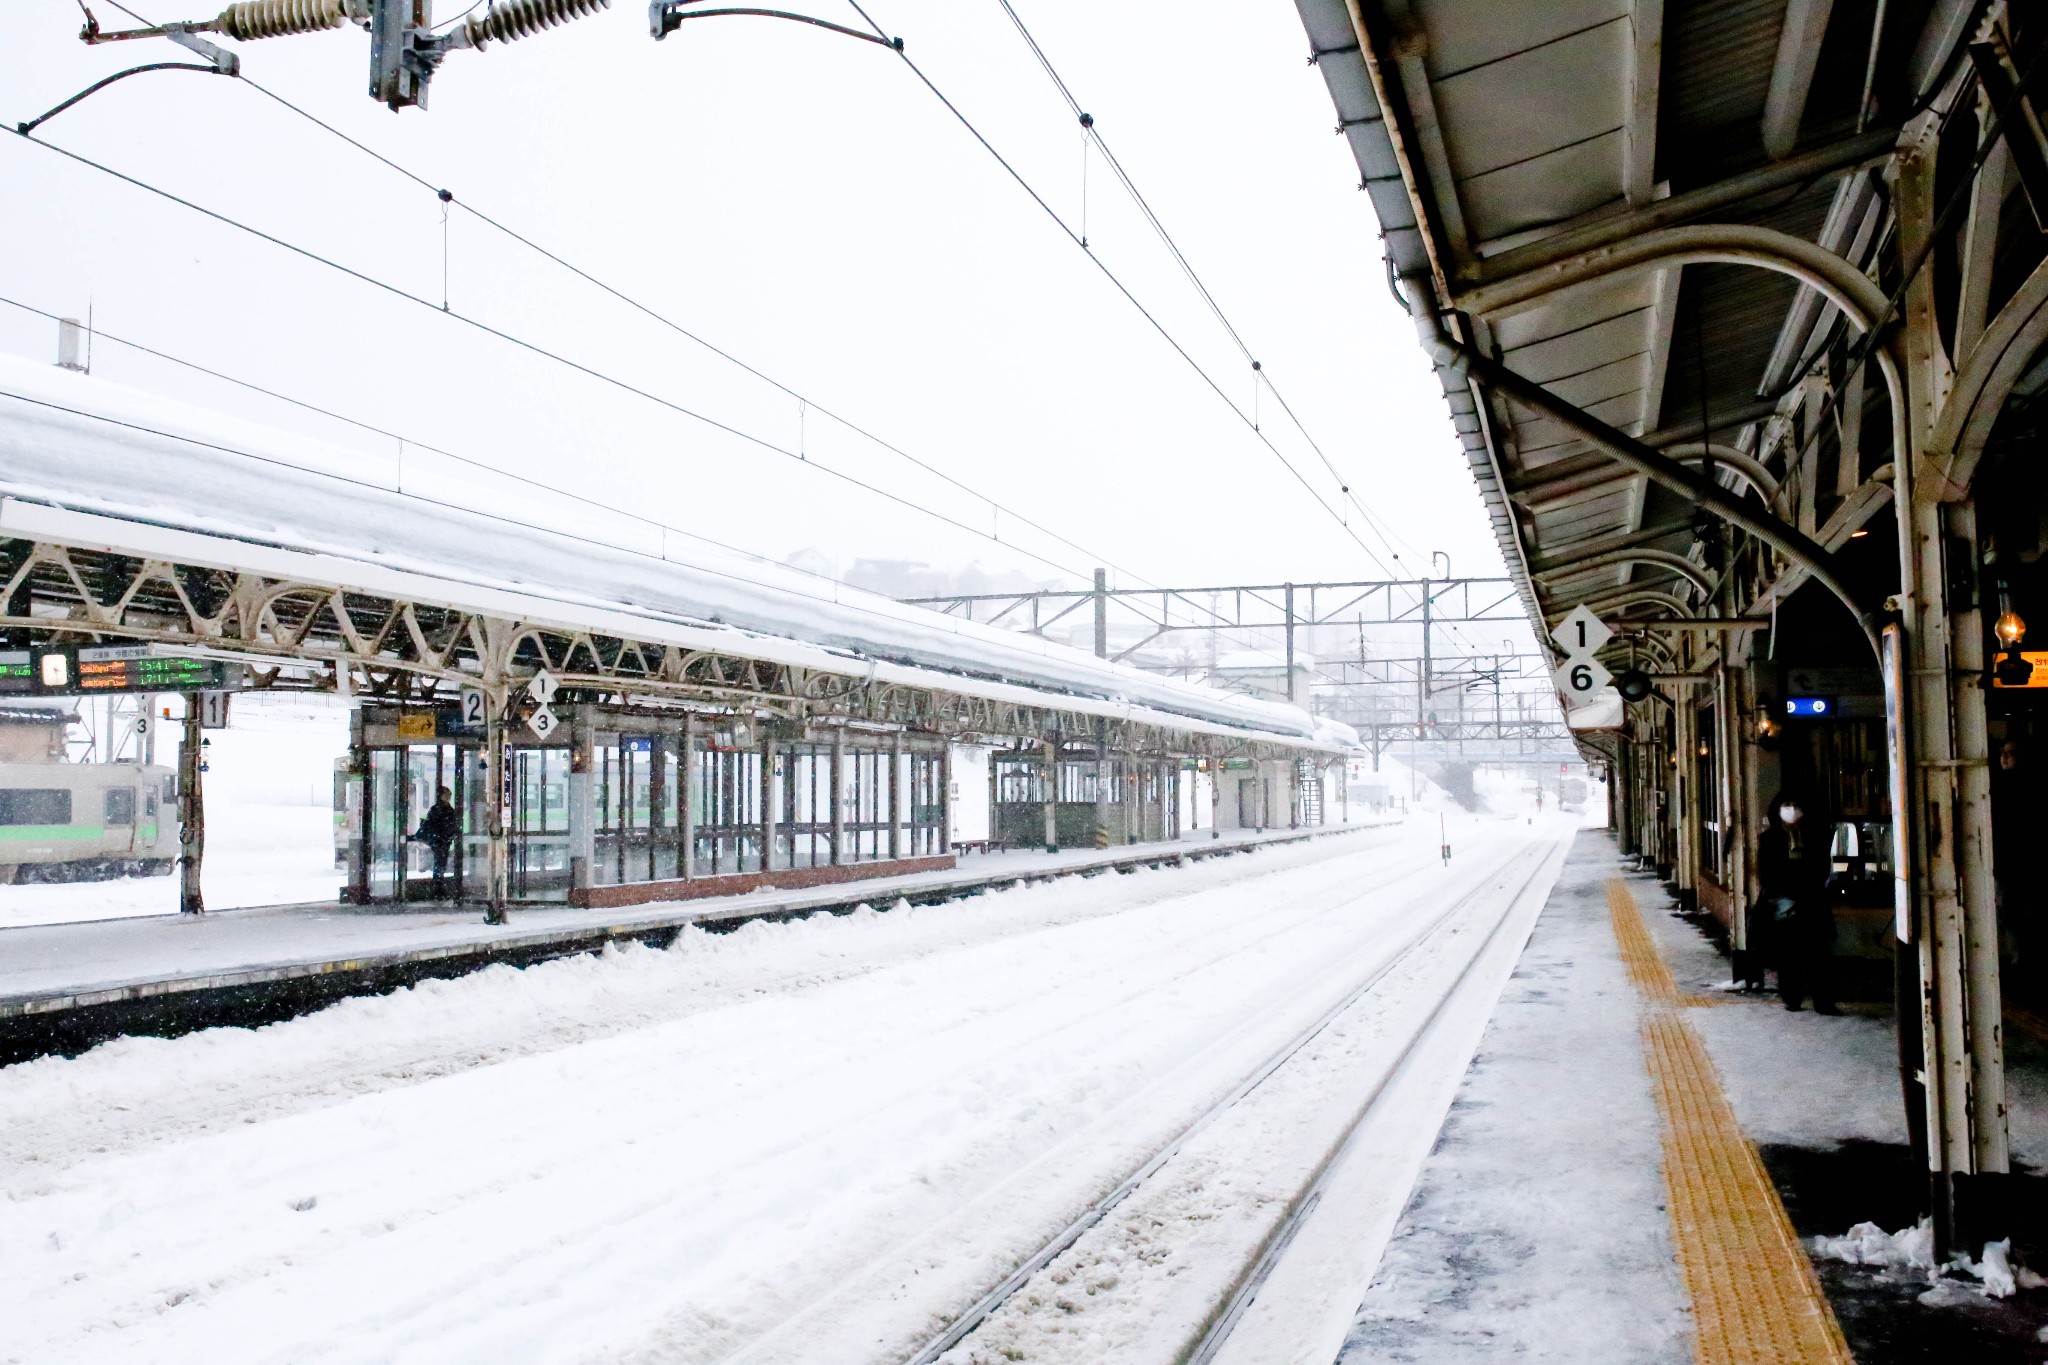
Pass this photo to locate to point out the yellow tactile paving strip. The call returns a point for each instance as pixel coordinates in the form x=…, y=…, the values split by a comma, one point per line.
x=1639, y=955
x=1754, y=1294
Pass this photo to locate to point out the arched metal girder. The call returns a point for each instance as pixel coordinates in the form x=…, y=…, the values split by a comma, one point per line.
x=1857, y=296
x=1663, y=559
x=1842, y=284
x=2004, y=353
x=1750, y=471
x=1543, y=493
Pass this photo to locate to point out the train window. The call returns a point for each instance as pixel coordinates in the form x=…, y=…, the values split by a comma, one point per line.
x=120, y=805
x=149, y=800
x=35, y=806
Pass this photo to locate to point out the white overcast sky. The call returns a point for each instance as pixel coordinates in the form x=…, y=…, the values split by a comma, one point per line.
x=800, y=200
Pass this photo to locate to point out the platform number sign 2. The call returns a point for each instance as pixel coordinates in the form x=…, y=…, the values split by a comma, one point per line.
x=1580, y=634
x=474, y=705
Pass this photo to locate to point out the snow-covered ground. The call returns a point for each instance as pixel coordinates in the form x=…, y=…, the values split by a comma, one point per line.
x=810, y=1141
x=270, y=819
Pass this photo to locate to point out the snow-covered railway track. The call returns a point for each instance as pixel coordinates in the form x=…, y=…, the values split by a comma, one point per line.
x=1506, y=887
x=799, y=1142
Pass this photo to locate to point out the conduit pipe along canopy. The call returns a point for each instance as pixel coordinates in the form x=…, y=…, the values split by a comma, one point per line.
x=92, y=465
x=1612, y=201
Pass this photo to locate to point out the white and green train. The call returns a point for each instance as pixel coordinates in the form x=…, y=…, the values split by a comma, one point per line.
x=68, y=822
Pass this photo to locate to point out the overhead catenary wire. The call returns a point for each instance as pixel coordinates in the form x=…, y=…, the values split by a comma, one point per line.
x=1125, y=290
x=537, y=349
x=1092, y=132
x=809, y=403
x=446, y=198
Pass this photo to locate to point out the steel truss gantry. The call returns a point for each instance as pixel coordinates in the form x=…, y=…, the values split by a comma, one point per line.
x=1284, y=607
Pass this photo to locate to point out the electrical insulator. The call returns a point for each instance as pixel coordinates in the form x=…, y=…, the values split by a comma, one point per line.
x=250, y=19
x=503, y=22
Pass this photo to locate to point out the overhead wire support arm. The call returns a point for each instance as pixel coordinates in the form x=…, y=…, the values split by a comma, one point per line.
x=219, y=61
x=215, y=70
x=666, y=16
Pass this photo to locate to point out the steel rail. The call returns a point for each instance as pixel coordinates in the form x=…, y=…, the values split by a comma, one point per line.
x=979, y=1312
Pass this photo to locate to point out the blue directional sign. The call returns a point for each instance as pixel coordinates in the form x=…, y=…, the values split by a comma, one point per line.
x=1809, y=707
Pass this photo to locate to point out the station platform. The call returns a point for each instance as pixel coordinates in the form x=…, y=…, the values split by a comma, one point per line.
x=1639, y=1161
x=66, y=986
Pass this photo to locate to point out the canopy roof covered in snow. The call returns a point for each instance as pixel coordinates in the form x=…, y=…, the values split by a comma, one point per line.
x=90, y=464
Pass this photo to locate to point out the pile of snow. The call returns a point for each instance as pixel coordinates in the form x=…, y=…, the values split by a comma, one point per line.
x=1909, y=1249
x=1909, y=1253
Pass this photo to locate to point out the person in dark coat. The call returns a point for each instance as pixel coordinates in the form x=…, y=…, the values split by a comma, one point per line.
x=439, y=831
x=1793, y=867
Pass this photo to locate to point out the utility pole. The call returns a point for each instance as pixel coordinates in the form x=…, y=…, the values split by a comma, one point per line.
x=1102, y=613
x=1292, y=690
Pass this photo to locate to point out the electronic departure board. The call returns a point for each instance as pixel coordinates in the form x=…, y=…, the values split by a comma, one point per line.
x=17, y=673
x=135, y=668
x=109, y=668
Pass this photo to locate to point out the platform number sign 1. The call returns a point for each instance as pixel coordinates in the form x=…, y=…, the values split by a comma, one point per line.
x=1580, y=634
x=213, y=710
x=474, y=704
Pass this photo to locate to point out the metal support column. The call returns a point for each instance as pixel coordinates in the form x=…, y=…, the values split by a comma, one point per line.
x=945, y=798
x=686, y=793
x=192, y=812
x=582, y=803
x=500, y=785
x=769, y=806
x=1955, y=918
x=838, y=799
x=896, y=794
x=1102, y=782
x=1052, y=796
x=1292, y=690
x=1101, y=613
x=359, y=775
x=1684, y=794
x=1133, y=803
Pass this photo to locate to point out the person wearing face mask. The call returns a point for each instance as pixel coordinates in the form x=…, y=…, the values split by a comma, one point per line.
x=1793, y=867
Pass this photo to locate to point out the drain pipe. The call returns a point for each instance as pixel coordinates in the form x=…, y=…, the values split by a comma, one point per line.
x=1460, y=358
